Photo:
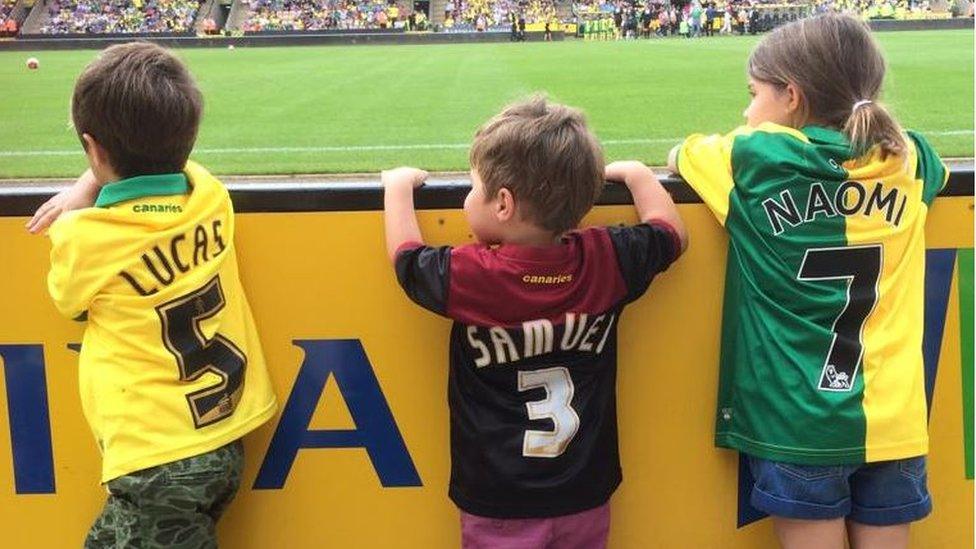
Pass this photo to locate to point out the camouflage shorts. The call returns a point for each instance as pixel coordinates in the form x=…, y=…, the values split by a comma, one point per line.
x=172, y=505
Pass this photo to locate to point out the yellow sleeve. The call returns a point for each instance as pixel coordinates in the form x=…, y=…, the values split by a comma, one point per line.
x=73, y=279
x=705, y=162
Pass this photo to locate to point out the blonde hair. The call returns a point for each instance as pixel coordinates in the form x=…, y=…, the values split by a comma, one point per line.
x=839, y=69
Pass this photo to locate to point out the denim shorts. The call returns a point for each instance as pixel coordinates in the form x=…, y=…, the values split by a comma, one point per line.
x=884, y=493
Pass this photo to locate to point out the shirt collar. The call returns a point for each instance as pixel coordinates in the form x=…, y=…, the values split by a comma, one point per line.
x=538, y=254
x=825, y=135
x=142, y=186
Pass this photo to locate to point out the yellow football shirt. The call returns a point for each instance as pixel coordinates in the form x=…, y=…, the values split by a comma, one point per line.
x=171, y=365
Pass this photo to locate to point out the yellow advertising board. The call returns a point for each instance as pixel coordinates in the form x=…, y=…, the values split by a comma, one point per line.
x=345, y=345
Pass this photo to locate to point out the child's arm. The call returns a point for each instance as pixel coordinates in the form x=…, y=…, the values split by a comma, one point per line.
x=398, y=213
x=80, y=195
x=652, y=201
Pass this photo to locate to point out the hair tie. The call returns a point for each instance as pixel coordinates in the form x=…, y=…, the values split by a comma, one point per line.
x=861, y=103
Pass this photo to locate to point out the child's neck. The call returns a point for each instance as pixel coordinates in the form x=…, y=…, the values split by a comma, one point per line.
x=530, y=235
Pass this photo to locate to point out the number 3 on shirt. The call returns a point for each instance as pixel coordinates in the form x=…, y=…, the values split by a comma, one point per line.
x=556, y=406
x=196, y=355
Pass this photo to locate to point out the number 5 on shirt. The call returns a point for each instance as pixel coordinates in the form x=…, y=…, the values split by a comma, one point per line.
x=196, y=355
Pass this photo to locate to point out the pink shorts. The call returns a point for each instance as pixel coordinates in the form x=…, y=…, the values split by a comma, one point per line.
x=584, y=530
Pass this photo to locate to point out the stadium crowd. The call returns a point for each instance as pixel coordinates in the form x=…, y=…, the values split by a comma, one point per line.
x=619, y=19
x=596, y=19
x=483, y=15
x=300, y=15
x=120, y=16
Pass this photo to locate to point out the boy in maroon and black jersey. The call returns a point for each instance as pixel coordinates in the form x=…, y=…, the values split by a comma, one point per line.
x=535, y=305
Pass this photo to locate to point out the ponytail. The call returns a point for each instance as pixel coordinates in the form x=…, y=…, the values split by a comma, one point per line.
x=870, y=124
x=840, y=95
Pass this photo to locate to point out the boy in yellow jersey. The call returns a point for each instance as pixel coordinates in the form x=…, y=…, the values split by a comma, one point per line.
x=171, y=370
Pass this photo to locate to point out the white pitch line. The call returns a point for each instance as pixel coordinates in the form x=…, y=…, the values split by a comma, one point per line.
x=368, y=148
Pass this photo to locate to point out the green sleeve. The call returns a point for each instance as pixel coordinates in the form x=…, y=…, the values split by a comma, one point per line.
x=930, y=169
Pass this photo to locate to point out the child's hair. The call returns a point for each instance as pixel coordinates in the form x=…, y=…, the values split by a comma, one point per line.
x=139, y=102
x=838, y=67
x=546, y=156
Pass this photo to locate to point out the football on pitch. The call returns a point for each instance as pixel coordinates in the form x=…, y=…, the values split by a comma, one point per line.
x=33, y=63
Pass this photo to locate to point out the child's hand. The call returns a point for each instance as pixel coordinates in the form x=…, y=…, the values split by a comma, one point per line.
x=651, y=199
x=626, y=170
x=673, y=158
x=80, y=195
x=404, y=176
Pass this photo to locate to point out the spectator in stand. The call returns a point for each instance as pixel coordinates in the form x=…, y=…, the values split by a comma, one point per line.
x=694, y=20
x=392, y=14
x=514, y=20
x=664, y=22
x=8, y=27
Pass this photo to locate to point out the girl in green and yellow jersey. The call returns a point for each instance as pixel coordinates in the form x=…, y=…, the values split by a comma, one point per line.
x=824, y=198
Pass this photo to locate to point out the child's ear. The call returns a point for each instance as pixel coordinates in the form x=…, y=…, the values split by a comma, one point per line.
x=504, y=205
x=796, y=103
x=97, y=156
x=98, y=159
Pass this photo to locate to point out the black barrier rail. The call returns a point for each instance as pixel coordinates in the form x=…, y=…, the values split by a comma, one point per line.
x=264, y=39
x=365, y=195
x=129, y=36
x=325, y=32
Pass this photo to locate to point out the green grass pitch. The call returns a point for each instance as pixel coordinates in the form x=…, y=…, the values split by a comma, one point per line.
x=365, y=108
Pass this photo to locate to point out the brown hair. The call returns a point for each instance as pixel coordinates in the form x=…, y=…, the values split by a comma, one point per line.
x=545, y=154
x=838, y=67
x=139, y=102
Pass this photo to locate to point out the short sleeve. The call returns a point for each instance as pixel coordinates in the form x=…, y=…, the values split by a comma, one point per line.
x=74, y=278
x=642, y=252
x=705, y=162
x=929, y=168
x=424, y=274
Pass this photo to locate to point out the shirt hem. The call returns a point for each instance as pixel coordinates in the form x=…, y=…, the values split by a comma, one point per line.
x=546, y=510
x=820, y=456
x=169, y=456
x=914, y=448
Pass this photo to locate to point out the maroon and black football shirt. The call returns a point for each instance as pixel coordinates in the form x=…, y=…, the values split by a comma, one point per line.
x=533, y=360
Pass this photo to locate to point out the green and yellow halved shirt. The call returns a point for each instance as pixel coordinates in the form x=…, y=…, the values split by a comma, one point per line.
x=821, y=359
x=171, y=365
